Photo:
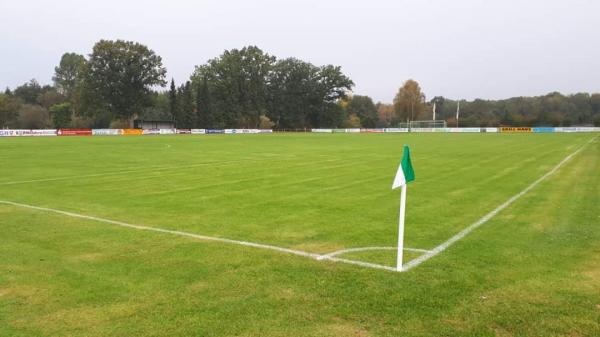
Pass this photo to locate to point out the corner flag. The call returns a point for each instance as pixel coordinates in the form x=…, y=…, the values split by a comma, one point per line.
x=405, y=174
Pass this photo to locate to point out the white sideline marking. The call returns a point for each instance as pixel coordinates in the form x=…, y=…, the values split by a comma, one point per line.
x=201, y=237
x=162, y=230
x=435, y=251
x=360, y=249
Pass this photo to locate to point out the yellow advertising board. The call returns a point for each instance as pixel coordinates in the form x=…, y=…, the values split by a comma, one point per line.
x=516, y=130
x=132, y=132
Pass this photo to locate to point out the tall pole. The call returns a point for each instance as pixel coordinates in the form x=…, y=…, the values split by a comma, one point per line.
x=401, y=228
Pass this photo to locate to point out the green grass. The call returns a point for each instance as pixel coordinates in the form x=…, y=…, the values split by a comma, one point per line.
x=533, y=270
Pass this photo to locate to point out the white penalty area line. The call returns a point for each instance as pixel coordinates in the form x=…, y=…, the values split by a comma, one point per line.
x=435, y=251
x=315, y=256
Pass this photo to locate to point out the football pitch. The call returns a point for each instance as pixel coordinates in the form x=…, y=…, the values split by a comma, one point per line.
x=294, y=235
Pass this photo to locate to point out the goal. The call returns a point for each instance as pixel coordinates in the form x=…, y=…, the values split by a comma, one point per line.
x=430, y=124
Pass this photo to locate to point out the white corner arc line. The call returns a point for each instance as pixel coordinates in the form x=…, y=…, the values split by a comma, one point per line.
x=361, y=249
x=435, y=251
x=362, y=264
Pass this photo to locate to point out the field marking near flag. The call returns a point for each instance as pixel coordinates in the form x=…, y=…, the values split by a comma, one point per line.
x=435, y=251
x=162, y=230
x=362, y=249
x=313, y=256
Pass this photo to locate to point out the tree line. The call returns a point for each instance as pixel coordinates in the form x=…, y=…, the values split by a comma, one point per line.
x=120, y=81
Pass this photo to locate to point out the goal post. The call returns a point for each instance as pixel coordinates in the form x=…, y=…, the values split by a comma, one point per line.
x=429, y=124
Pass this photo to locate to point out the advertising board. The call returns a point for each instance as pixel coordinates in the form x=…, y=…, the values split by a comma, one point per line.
x=27, y=133
x=132, y=132
x=517, y=129
x=74, y=132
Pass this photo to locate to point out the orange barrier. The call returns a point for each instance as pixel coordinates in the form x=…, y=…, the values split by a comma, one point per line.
x=132, y=132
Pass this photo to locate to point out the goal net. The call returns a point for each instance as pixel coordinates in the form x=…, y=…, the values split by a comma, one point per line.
x=424, y=124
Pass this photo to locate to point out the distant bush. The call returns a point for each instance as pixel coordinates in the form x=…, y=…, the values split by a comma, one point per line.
x=265, y=123
x=33, y=117
x=61, y=115
x=353, y=121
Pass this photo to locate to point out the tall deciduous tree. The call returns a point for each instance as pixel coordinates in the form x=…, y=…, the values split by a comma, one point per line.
x=238, y=80
x=409, y=102
x=302, y=95
x=68, y=75
x=293, y=93
x=119, y=76
x=332, y=85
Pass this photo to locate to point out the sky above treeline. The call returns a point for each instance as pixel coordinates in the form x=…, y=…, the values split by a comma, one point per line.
x=458, y=49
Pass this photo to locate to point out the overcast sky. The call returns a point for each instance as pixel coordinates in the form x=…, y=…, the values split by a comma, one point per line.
x=458, y=49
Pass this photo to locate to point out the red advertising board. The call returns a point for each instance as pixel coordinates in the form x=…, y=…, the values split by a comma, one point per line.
x=74, y=132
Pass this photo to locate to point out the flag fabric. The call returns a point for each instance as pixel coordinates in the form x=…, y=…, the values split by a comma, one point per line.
x=405, y=173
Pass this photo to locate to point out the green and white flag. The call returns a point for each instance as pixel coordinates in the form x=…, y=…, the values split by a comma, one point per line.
x=405, y=172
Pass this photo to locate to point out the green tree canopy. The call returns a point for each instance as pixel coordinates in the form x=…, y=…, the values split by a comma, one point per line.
x=30, y=91
x=237, y=82
x=68, y=75
x=61, y=115
x=303, y=95
x=118, y=78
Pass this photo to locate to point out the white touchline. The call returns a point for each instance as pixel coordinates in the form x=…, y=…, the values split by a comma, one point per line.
x=200, y=237
x=435, y=251
x=162, y=230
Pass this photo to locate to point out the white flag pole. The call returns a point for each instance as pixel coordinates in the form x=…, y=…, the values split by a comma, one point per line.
x=401, y=228
x=457, y=112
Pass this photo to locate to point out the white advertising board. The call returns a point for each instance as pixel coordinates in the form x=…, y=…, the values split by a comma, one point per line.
x=27, y=133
